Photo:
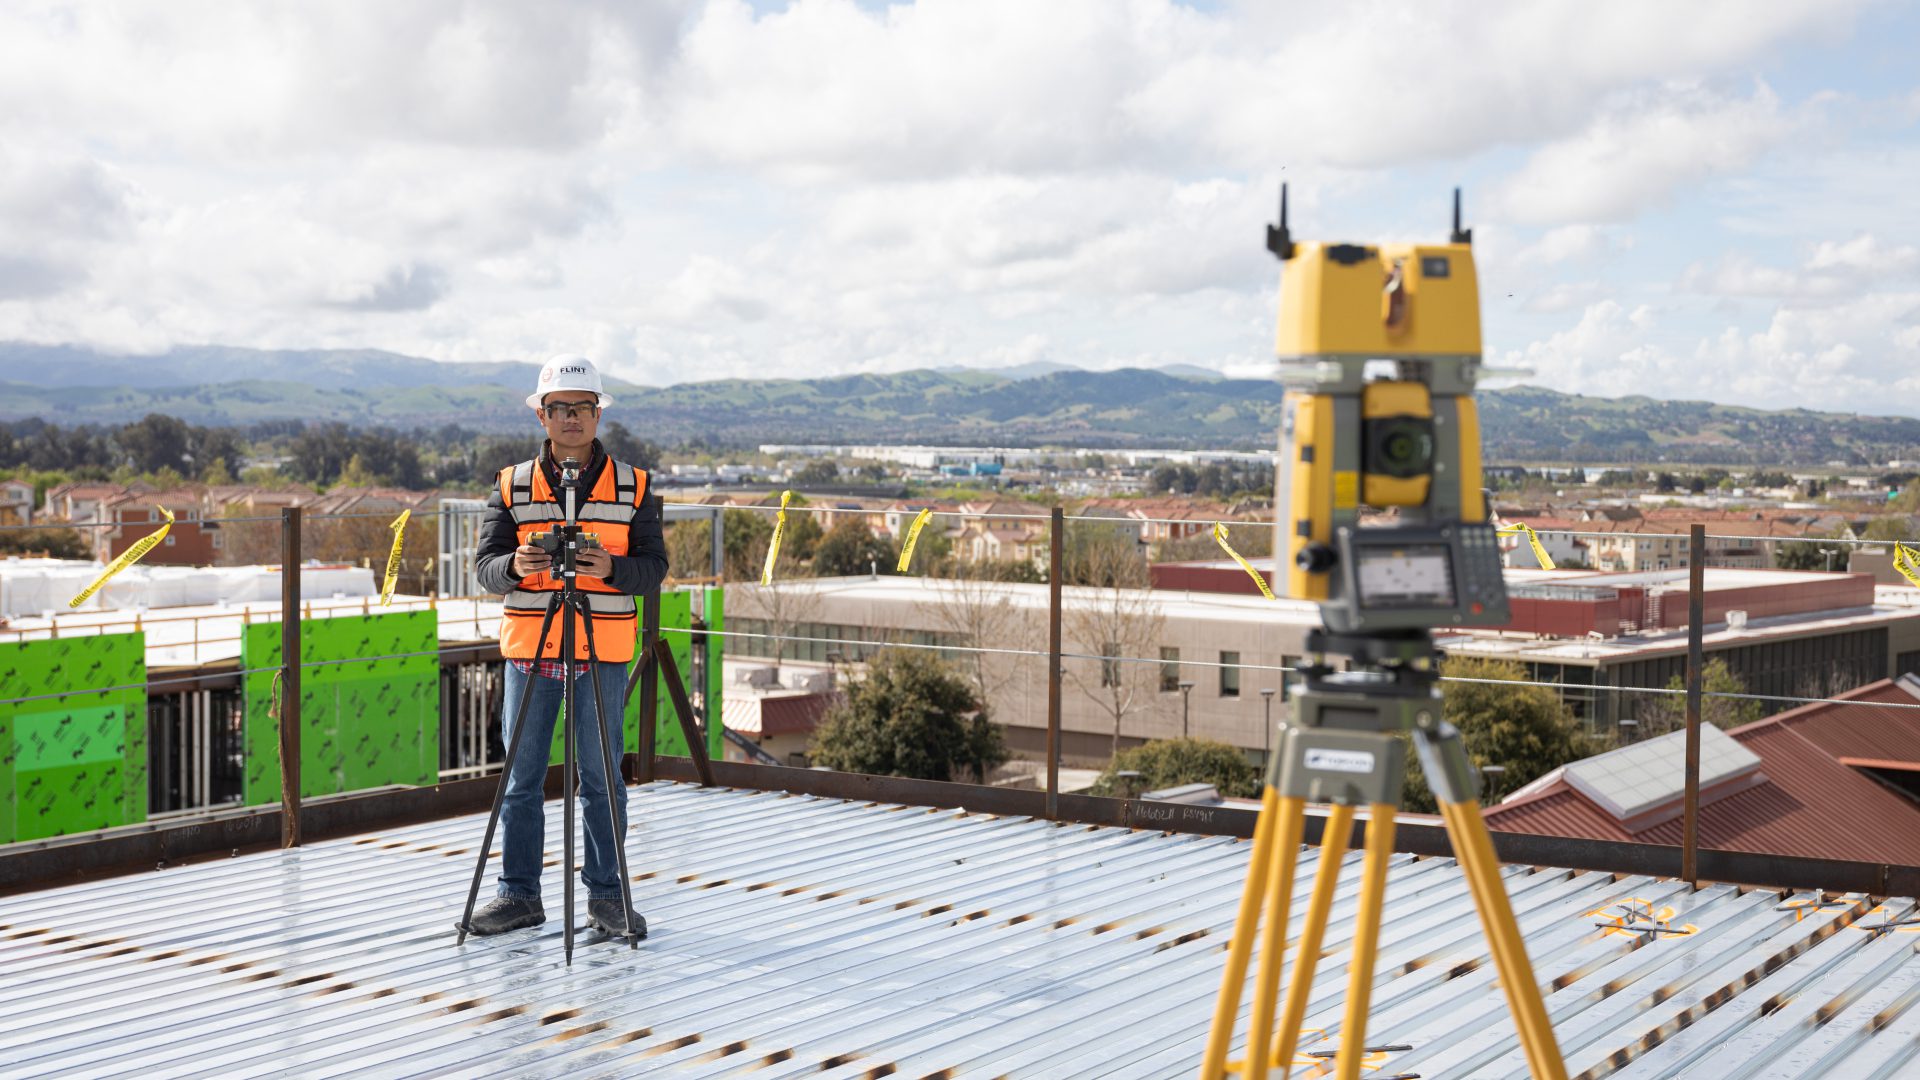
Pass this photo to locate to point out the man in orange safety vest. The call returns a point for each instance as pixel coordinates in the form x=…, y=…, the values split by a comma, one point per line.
x=631, y=559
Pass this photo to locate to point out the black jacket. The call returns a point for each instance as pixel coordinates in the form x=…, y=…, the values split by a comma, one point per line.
x=639, y=571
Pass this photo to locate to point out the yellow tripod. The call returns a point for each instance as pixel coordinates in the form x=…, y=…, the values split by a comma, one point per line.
x=1341, y=750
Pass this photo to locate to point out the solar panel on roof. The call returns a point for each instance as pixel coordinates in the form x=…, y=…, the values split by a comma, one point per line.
x=1637, y=779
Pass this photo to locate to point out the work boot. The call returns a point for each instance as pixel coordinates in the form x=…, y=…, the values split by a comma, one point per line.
x=507, y=913
x=604, y=916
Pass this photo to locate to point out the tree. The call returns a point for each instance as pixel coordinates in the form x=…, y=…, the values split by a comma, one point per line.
x=1889, y=527
x=1252, y=539
x=1096, y=551
x=54, y=543
x=851, y=548
x=1118, y=619
x=743, y=538
x=321, y=453
x=803, y=530
x=783, y=603
x=910, y=715
x=981, y=613
x=1661, y=713
x=690, y=549
x=157, y=442
x=817, y=472
x=1169, y=763
x=1526, y=730
x=1810, y=555
x=623, y=445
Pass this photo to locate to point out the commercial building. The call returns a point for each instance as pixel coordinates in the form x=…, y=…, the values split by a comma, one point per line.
x=1194, y=653
x=1784, y=634
x=1141, y=664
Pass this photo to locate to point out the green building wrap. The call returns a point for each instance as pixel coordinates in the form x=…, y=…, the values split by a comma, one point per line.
x=676, y=618
x=77, y=762
x=369, y=704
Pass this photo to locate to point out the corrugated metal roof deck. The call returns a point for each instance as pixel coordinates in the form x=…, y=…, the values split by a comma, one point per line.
x=801, y=936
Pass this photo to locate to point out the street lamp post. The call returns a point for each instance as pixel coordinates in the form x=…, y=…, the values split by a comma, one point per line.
x=1266, y=729
x=1186, y=697
x=1491, y=775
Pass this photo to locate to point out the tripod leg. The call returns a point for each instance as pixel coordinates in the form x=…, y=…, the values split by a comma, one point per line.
x=1333, y=849
x=1366, y=941
x=500, y=792
x=1227, y=1007
x=1474, y=849
x=567, y=670
x=611, y=775
x=1273, y=934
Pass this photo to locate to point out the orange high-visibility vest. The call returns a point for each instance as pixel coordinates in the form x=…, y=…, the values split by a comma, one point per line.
x=607, y=512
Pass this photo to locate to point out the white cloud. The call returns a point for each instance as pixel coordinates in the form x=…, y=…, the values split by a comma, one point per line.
x=694, y=188
x=1834, y=272
x=1639, y=151
x=1866, y=255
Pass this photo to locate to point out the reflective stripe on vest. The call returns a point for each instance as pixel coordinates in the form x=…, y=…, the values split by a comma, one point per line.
x=607, y=513
x=598, y=603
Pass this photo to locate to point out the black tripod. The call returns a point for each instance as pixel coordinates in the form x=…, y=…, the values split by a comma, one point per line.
x=565, y=545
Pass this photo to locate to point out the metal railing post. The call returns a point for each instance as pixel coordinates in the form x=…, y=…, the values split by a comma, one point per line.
x=289, y=677
x=1056, y=569
x=1696, y=616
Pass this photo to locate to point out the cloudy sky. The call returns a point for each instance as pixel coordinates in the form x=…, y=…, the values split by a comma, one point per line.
x=1711, y=199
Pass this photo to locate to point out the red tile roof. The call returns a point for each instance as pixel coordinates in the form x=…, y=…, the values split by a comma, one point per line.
x=1812, y=806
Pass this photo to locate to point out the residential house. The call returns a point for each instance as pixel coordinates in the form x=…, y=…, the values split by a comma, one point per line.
x=16, y=502
x=125, y=520
x=79, y=501
x=1555, y=536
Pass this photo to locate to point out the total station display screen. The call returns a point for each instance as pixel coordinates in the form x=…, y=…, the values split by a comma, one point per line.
x=1413, y=576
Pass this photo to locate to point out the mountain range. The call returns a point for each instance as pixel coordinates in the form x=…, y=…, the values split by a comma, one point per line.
x=1036, y=404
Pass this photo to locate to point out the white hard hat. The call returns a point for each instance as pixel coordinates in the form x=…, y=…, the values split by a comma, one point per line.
x=568, y=372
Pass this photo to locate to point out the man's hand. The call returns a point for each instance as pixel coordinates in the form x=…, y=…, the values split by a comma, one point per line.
x=531, y=559
x=593, y=562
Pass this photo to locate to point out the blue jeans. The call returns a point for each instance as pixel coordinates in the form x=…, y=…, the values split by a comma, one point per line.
x=523, y=816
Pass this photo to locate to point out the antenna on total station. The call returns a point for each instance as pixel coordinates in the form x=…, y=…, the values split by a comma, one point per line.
x=1279, y=240
x=1460, y=235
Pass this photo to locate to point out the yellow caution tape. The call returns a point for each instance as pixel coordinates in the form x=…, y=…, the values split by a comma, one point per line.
x=1539, y=552
x=1220, y=537
x=399, y=528
x=127, y=558
x=773, y=546
x=913, y=537
x=1907, y=561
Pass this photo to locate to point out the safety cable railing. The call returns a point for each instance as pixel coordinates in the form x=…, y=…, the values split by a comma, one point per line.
x=885, y=643
x=1122, y=522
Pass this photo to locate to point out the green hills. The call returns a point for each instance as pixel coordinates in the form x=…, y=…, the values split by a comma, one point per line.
x=1041, y=405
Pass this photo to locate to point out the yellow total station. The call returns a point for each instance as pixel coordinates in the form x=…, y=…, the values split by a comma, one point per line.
x=1379, y=348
